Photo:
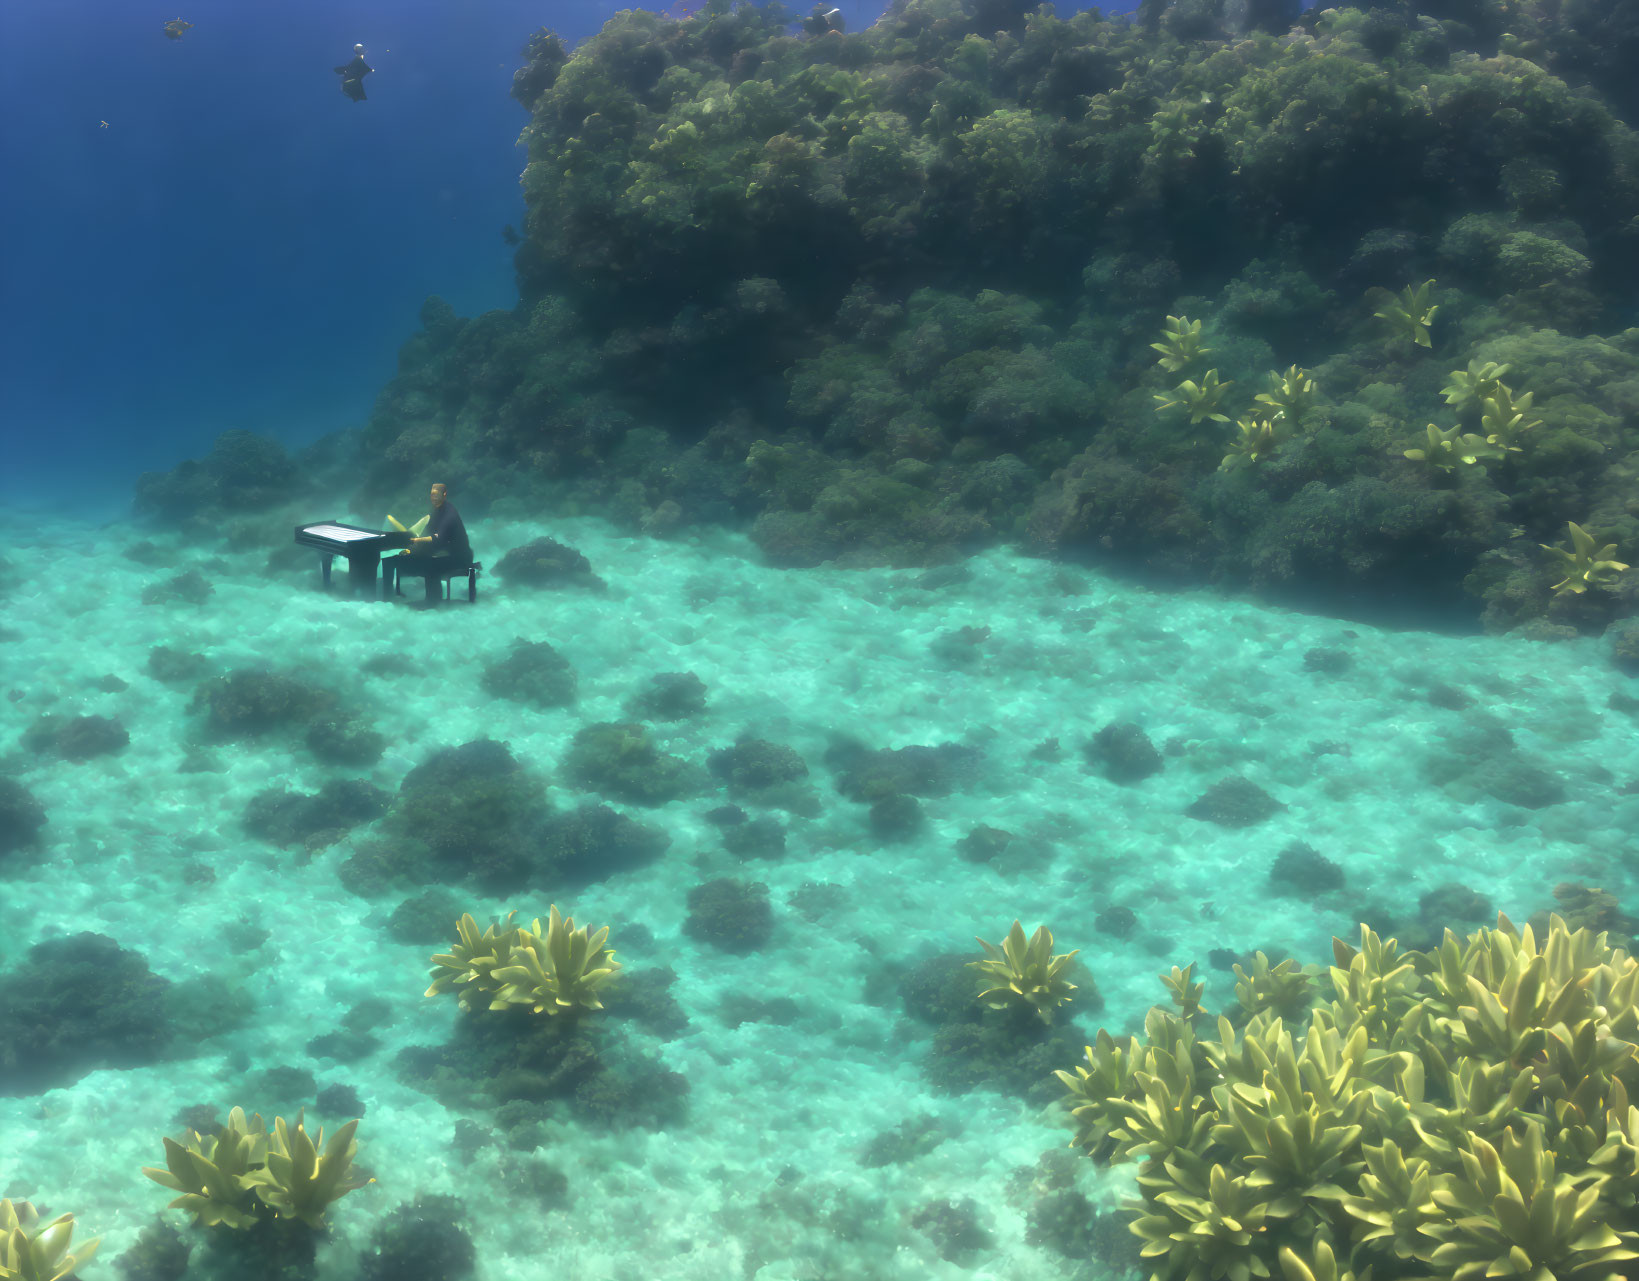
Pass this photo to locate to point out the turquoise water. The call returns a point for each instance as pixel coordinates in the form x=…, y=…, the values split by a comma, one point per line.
x=1386, y=761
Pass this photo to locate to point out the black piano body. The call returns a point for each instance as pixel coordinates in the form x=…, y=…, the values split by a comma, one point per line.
x=362, y=548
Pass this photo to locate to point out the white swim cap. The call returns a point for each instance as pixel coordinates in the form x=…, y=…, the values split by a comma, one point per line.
x=358, y=48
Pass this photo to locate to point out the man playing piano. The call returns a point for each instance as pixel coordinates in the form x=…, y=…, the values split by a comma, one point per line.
x=444, y=537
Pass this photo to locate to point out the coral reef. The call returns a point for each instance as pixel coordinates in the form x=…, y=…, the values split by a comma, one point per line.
x=889, y=297
x=422, y=1240
x=1123, y=753
x=243, y=472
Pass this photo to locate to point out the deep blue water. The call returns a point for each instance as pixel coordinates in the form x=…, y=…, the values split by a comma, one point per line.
x=239, y=245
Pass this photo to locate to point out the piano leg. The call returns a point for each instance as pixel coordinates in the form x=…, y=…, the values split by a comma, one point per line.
x=361, y=574
x=324, y=568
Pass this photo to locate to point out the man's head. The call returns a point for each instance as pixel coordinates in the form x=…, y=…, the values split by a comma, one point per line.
x=440, y=492
x=358, y=48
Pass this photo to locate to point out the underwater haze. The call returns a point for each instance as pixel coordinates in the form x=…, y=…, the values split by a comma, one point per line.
x=968, y=642
x=204, y=235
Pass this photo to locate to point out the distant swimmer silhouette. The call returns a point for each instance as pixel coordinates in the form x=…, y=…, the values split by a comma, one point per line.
x=352, y=75
x=175, y=27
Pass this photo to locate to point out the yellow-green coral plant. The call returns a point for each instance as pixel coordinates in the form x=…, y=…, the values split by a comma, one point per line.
x=1584, y=565
x=469, y=966
x=1474, y=385
x=1395, y=1201
x=1511, y=1213
x=210, y=1171
x=1217, y=1221
x=1410, y=314
x=1098, y=1091
x=556, y=971
x=304, y=1176
x=1455, y=1114
x=1288, y=394
x=1199, y=400
x=242, y=1165
x=1283, y=988
x=1181, y=343
x=1025, y=973
x=1451, y=449
x=1504, y=419
x=1174, y=132
x=1274, y=419
x=1321, y=1265
x=1185, y=991
x=32, y=1253
x=1256, y=438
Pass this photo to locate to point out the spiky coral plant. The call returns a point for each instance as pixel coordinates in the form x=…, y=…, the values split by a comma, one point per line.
x=1200, y=401
x=1180, y=344
x=1505, y=419
x=1025, y=973
x=1257, y=438
x=1449, y=449
x=209, y=1171
x=556, y=971
x=1410, y=314
x=1474, y=385
x=32, y=1253
x=469, y=966
x=1512, y=1208
x=1585, y=565
x=304, y=1176
x=1321, y=1265
x=1288, y=394
x=242, y=1165
x=1283, y=989
x=1186, y=993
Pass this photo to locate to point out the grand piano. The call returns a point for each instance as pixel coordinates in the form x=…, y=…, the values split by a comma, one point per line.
x=362, y=547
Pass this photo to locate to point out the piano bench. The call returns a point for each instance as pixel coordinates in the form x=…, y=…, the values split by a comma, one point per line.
x=433, y=568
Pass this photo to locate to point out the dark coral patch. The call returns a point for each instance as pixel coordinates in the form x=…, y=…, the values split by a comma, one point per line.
x=732, y=915
x=548, y=564
x=1123, y=753
x=21, y=816
x=533, y=673
x=75, y=1005
x=1234, y=802
x=76, y=738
